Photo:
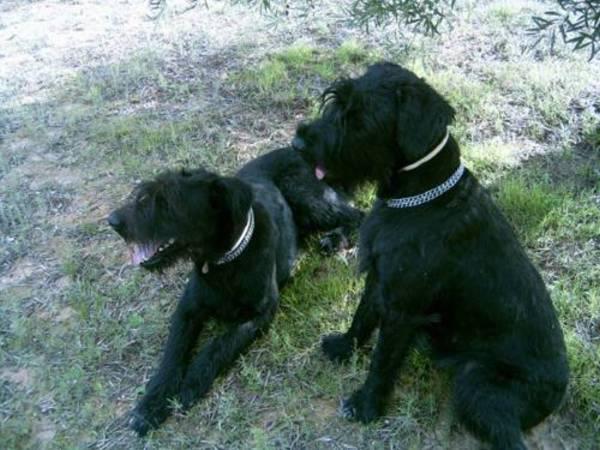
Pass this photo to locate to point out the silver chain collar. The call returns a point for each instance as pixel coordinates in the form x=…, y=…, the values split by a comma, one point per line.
x=241, y=243
x=427, y=196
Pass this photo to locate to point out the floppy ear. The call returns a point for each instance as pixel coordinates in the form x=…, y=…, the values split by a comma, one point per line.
x=422, y=117
x=231, y=198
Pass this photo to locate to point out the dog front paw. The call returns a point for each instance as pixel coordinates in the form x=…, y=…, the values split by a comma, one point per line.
x=337, y=347
x=140, y=424
x=362, y=407
x=187, y=397
x=192, y=390
x=149, y=414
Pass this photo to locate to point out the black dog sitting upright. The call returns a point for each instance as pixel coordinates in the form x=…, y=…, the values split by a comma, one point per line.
x=441, y=260
x=241, y=234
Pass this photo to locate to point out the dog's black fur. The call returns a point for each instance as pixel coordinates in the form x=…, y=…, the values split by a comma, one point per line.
x=451, y=269
x=202, y=214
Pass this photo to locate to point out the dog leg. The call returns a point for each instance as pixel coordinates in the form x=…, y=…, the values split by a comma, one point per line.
x=186, y=324
x=318, y=207
x=340, y=220
x=489, y=409
x=339, y=347
x=367, y=403
x=348, y=220
x=220, y=353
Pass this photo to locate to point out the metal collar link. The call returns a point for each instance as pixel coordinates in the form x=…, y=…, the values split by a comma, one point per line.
x=241, y=243
x=427, y=196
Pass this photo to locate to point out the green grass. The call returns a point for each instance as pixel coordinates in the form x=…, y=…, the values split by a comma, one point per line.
x=130, y=81
x=80, y=332
x=292, y=77
x=528, y=204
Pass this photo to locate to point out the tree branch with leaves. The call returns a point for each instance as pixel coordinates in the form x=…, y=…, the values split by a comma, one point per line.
x=576, y=22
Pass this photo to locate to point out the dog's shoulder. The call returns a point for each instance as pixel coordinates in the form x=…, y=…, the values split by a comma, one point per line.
x=389, y=235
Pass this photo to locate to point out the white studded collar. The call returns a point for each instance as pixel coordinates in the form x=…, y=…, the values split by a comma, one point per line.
x=240, y=244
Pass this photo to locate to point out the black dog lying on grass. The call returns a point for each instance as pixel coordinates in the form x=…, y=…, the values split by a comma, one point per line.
x=441, y=260
x=241, y=234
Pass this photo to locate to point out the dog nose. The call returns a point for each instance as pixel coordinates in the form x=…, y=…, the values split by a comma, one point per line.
x=298, y=144
x=115, y=221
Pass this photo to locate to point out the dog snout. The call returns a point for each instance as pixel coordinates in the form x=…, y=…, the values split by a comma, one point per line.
x=116, y=222
x=298, y=144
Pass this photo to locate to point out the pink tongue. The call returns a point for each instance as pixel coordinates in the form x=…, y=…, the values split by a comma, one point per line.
x=141, y=252
x=319, y=172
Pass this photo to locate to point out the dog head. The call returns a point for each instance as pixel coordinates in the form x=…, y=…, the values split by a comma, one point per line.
x=373, y=125
x=181, y=214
